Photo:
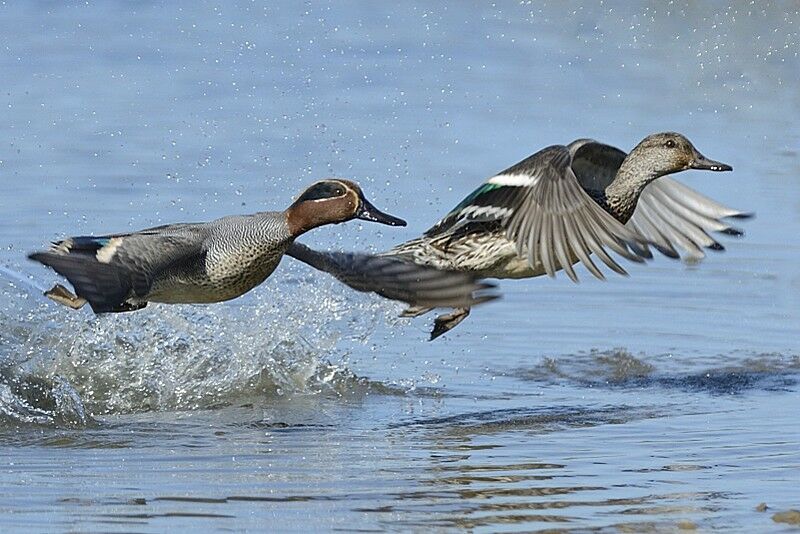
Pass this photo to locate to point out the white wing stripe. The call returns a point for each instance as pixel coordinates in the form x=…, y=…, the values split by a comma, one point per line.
x=476, y=211
x=519, y=180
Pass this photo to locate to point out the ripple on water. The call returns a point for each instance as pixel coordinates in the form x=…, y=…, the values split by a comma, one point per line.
x=619, y=368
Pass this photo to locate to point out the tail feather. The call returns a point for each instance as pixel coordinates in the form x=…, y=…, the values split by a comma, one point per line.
x=105, y=286
x=398, y=279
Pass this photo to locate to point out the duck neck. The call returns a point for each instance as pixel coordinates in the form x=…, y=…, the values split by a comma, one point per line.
x=304, y=216
x=622, y=194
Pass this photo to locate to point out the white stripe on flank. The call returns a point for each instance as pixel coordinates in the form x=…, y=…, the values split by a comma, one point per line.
x=105, y=254
x=523, y=180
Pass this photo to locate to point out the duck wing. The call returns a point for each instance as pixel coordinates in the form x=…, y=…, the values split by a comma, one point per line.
x=672, y=215
x=396, y=278
x=542, y=208
x=595, y=164
x=107, y=270
x=669, y=214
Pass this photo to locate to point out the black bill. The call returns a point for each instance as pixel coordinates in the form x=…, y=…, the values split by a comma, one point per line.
x=368, y=212
x=701, y=162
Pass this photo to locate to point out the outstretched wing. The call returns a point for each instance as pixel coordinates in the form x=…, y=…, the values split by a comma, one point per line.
x=672, y=215
x=547, y=214
x=557, y=223
x=492, y=201
x=397, y=279
x=595, y=164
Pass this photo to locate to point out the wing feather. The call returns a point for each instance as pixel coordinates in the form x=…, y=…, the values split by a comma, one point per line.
x=539, y=224
x=581, y=249
x=396, y=278
x=672, y=215
x=596, y=247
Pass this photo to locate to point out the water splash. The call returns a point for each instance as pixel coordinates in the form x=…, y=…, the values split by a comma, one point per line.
x=58, y=366
x=37, y=401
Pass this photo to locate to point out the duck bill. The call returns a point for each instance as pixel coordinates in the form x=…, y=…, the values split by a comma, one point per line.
x=703, y=163
x=368, y=212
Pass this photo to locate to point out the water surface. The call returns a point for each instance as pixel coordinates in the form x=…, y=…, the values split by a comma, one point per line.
x=667, y=400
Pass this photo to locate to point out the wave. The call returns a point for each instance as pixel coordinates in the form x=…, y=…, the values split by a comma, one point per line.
x=619, y=368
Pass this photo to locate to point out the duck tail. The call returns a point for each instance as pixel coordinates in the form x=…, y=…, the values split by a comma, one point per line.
x=396, y=278
x=105, y=286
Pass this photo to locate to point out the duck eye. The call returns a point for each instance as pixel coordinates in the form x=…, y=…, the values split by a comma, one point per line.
x=670, y=144
x=338, y=191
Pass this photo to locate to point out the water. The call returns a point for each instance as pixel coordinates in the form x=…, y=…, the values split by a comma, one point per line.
x=664, y=401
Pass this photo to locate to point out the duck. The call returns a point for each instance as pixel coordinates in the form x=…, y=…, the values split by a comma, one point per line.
x=208, y=262
x=564, y=205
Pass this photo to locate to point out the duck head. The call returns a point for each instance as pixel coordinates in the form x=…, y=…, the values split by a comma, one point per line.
x=333, y=201
x=671, y=152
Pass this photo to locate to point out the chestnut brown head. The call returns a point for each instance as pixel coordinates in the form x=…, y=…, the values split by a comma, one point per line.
x=333, y=201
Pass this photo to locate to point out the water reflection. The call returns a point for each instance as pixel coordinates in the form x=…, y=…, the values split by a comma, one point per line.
x=476, y=482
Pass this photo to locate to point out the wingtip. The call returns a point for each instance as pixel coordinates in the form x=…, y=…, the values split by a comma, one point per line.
x=643, y=251
x=668, y=251
x=732, y=231
x=743, y=215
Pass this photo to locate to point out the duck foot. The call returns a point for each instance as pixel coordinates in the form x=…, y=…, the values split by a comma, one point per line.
x=445, y=323
x=65, y=297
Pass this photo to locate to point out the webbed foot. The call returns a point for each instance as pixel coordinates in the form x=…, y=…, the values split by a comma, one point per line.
x=445, y=323
x=65, y=297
